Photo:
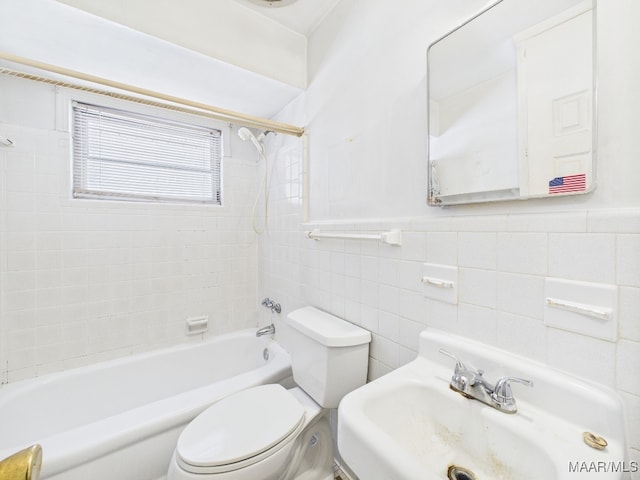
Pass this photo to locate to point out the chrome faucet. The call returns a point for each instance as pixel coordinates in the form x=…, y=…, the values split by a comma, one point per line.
x=471, y=384
x=268, y=330
x=275, y=307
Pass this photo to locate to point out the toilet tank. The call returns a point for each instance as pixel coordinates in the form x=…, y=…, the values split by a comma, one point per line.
x=329, y=356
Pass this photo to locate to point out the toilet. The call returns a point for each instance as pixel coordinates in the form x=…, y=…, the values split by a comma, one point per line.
x=269, y=432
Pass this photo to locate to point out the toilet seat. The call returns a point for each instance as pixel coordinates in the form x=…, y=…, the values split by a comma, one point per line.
x=240, y=430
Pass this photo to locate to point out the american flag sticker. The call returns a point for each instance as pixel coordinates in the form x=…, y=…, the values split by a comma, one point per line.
x=569, y=183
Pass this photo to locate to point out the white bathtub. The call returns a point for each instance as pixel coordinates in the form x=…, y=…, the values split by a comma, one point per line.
x=121, y=419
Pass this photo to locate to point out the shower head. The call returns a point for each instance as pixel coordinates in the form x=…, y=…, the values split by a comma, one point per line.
x=245, y=134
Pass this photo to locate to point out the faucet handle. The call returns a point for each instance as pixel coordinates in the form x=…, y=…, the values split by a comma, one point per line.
x=459, y=365
x=462, y=378
x=502, y=393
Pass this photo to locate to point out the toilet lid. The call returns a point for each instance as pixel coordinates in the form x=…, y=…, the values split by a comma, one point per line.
x=240, y=426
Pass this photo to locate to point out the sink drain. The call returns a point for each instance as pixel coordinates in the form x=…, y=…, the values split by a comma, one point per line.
x=459, y=473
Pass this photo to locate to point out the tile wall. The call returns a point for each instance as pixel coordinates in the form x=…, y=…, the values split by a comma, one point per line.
x=84, y=281
x=503, y=260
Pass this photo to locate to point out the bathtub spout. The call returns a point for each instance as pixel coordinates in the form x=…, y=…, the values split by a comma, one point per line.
x=268, y=330
x=24, y=465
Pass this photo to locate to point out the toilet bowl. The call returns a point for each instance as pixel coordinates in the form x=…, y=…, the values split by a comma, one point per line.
x=252, y=435
x=269, y=432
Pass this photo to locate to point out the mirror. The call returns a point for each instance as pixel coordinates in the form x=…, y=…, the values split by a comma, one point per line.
x=512, y=103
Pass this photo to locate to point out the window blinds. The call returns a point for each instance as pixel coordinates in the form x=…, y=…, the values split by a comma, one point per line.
x=129, y=156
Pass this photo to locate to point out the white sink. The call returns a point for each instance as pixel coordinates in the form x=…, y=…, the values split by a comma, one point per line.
x=410, y=425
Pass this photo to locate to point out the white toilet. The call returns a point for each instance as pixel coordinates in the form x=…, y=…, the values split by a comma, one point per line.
x=271, y=433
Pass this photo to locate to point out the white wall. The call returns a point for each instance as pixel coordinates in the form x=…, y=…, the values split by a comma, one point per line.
x=224, y=29
x=51, y=32
x=365, y=112
x=84, y=281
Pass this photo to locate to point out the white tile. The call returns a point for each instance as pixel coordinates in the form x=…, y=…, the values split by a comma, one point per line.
x=614, y=220
x=369, y=268
x=388, y=271
x=49, y=259
x=21, y=241
x=388, y=352
x=412, y=305
x=389, y=326
x=413, y=246
x=433, y=224
x=442, y=248
x=628, y=260
x=587, y=357
x=18, y=261
x=353, y=311
x=629, y=302
x=628, y=359
x=556, y=222
x=20, y=280
x=409, y=334
x=21, y=339
x=477, y=287
x=389, y=298
x=477, y=249
x=409, y=274
x=46, y=354
x=19, y=320
x=632, y=420
x=369, y=318
x=352, y=265
x=521, y=294
x=48, y=335
x=440, y=315
x=21, y=359
x=20, y=202
x=369, y=292
x=522, y=335
x=478, y=323
x=588, y=257
x=480, y=223
x=19, y=300
x=337, y=263
x=21, y=374
x=522, y=253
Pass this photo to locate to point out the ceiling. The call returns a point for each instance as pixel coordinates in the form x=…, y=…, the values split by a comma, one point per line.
x=254, y=55
x=301, y=16
x=250, y=34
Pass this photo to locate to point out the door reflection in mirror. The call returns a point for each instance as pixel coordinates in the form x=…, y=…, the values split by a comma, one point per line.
x=511, y=103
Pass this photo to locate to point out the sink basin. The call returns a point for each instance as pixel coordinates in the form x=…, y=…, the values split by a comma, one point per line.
x=464, y=433
x=410, y=425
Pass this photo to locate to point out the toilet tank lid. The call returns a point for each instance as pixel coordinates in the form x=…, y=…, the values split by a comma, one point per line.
x=327, y=329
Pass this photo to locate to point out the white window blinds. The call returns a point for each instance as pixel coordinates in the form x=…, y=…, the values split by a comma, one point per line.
x=122, y=155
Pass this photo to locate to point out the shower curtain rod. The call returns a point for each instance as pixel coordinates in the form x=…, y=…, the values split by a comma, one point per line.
x=176, y=103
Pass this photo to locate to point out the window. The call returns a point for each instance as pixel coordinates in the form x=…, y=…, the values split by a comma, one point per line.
x=122, y=155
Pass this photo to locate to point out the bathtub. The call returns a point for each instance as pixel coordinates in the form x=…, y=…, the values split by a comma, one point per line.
x=121, y=419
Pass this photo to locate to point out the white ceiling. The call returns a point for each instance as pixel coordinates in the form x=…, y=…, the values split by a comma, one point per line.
x=302, y=16
x=254, y=55
x=264, y=39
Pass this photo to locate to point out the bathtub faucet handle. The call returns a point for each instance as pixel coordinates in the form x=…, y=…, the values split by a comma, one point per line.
x=267, y=302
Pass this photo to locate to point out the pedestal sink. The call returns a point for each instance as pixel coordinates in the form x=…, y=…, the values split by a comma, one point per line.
x=410, y=425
